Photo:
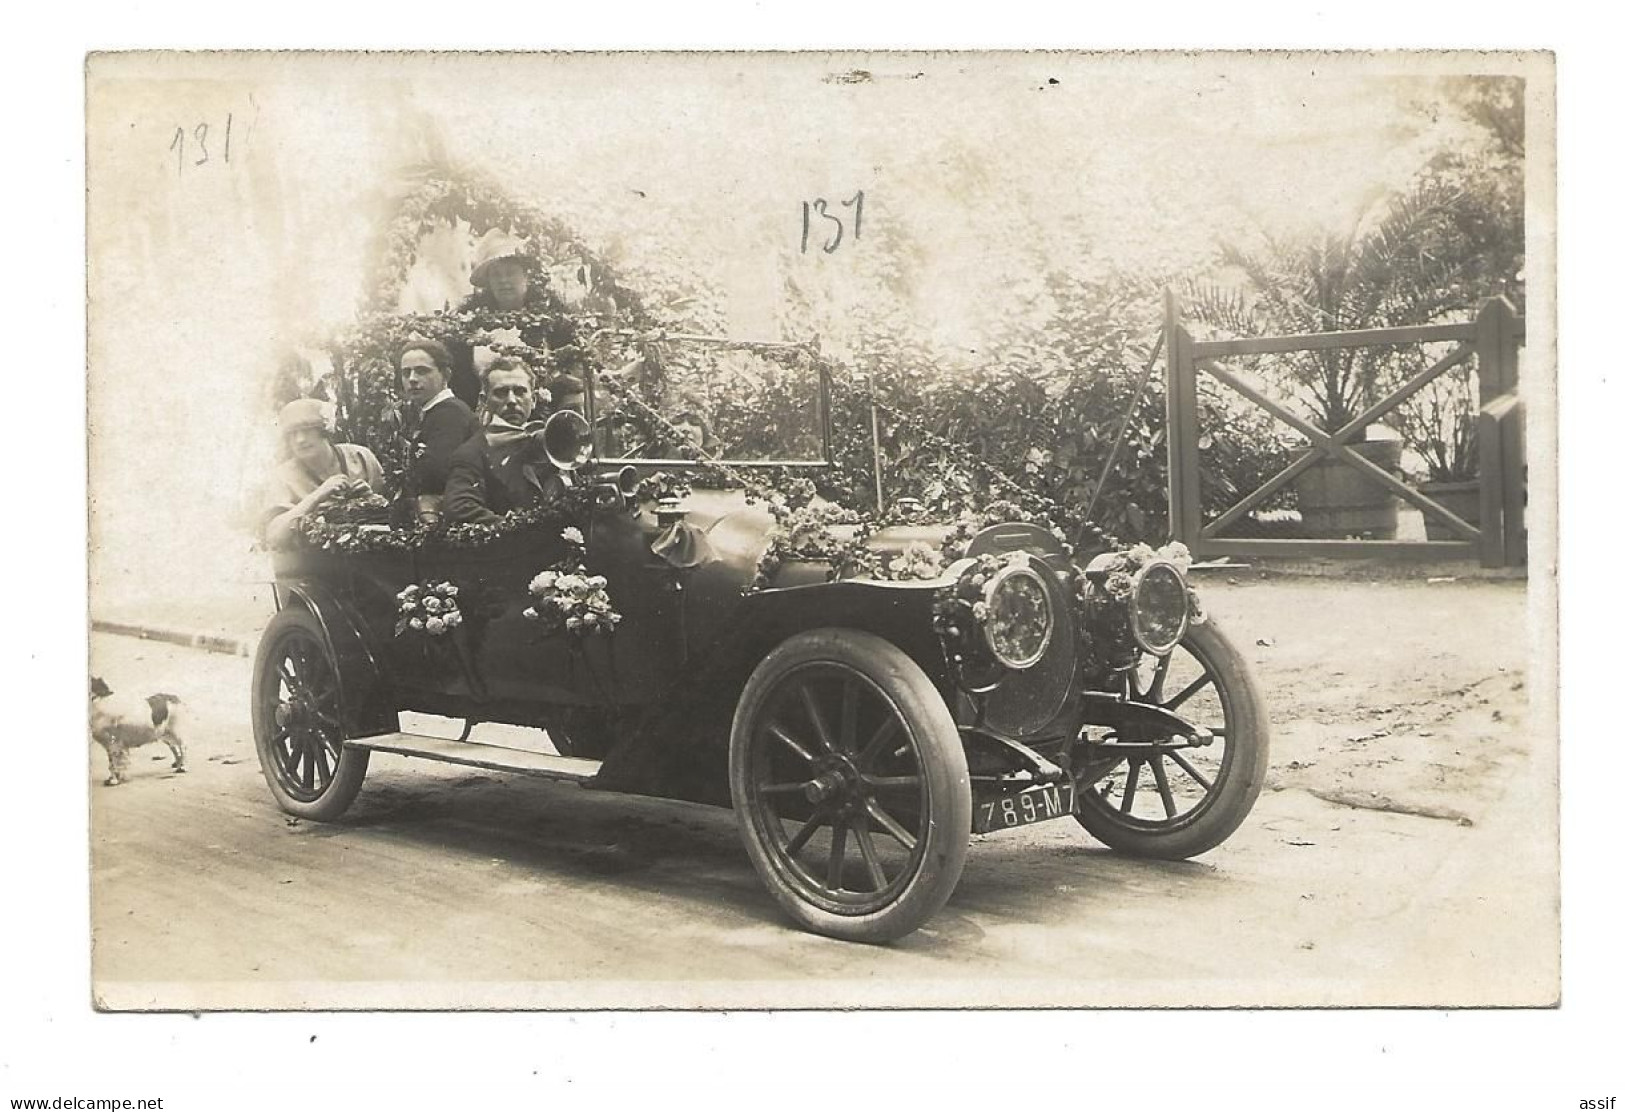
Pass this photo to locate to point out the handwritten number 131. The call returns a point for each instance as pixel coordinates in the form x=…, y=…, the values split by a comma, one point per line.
x=200, y=136
x=821, y=208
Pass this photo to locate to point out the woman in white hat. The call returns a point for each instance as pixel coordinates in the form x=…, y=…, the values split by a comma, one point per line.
x=317, y=470
x=504, y=281
x=501, y=275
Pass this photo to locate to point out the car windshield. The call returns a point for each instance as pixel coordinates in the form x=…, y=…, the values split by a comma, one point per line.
x=696, y=399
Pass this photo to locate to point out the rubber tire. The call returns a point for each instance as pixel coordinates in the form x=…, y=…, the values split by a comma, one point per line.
x=942, y=759
x=352, y=763
x=1248, y=730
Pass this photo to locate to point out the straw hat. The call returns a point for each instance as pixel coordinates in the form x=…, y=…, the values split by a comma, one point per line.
x=494, y=246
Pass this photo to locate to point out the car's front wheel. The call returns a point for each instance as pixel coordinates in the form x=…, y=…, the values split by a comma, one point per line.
x=849, y=782
x=1169, y=798
x=298, y=731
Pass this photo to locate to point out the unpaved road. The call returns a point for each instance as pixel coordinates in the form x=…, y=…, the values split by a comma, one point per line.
x=1404, y=853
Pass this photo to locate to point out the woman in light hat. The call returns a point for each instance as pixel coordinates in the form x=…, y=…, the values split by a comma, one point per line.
x=505, y=281
x=317, y=470
x=501, y=276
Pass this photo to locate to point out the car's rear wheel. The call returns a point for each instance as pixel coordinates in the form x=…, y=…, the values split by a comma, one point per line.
x=849, y=782
x=1171, y=799
x=298, y=728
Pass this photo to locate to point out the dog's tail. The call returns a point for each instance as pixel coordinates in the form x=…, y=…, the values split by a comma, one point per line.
x=163, y=708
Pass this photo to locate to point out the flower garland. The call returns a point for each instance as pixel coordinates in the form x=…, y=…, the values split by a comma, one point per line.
x=366, y=507
x=663, y=486
x=428, y=608
x=959, y=496
x=804, y=534
x=447, y=197
x=567, y=599
x=344, y=537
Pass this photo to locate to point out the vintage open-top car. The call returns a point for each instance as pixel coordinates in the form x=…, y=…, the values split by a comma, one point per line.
x=866, y=695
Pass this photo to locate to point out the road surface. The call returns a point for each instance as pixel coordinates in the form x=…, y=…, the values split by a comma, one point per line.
x=1403, y=853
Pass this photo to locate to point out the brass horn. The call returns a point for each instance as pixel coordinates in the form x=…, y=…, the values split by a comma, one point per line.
x=567, y=440
x=627, y=480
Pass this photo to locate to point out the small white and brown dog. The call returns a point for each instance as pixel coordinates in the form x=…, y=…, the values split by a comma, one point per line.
x=121, y=724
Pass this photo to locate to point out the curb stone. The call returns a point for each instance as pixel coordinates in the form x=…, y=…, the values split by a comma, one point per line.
x=208, y=642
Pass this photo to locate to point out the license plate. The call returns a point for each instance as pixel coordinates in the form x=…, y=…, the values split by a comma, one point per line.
x=1029, y=805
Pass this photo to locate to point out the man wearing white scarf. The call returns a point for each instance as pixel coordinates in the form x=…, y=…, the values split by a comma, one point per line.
x=503, y=467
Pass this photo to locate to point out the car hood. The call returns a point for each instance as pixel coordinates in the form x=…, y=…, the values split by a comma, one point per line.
x=736, y=531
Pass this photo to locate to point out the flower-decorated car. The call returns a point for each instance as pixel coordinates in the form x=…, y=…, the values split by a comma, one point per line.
x=867, y=691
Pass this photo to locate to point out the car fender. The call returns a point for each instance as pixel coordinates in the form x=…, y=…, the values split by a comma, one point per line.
x=366, y=707
x=681, y=750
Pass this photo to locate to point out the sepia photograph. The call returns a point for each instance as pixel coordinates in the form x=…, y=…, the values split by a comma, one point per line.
x=821, y=530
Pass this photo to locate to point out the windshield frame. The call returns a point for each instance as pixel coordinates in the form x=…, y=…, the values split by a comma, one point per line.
x=824, y=426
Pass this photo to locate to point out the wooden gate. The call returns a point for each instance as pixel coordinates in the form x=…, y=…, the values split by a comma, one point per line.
x=1493, y=339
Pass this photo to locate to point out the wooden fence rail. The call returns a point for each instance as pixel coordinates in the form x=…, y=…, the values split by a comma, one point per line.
x=1493, y=340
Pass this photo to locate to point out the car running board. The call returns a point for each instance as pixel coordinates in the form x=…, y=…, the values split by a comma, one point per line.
x=498, y=758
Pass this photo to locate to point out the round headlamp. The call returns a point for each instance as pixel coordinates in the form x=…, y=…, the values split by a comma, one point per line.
x=1020, y=616
x=1160, y=607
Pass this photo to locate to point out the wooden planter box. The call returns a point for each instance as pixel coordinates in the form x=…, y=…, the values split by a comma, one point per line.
x=1337, y=501
x=1461, y=499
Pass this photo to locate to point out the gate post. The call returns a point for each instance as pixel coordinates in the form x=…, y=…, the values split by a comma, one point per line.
x=1500, y=445
x=1184, y=463
x=1497, y=348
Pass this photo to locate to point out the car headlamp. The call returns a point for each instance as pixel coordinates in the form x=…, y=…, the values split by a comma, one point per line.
x=1159, y=610
x=1020, y=616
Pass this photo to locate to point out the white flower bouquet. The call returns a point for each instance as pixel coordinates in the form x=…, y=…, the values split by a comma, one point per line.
x=429, y=608
x=565, y=598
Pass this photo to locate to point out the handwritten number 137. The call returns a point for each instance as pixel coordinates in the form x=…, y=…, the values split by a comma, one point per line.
x=820, y=207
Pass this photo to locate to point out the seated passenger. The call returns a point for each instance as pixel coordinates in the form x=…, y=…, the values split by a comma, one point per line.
x=693, y=429
x=568, y=392
x=502, y=468
x=501, y=275
x=502, y=281
x=434, y=422
x=316, y=471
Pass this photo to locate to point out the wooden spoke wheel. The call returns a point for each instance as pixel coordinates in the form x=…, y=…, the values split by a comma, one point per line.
x=1173, y=799
x=849, y=784
x=298, y=729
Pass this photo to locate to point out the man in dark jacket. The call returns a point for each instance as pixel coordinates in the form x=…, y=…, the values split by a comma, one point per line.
x=503, y=467
x=434, y=422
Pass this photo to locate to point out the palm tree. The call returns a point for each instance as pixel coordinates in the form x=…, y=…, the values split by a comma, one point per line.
x=1394, y=264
